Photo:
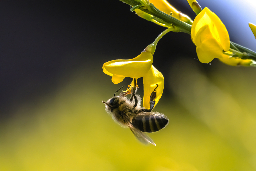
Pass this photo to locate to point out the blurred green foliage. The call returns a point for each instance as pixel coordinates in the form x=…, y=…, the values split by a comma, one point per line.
x=212, y=126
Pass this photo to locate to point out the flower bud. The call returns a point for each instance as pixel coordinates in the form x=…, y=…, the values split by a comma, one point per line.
x=167, y=8
x=253, y=28
x=195, y=6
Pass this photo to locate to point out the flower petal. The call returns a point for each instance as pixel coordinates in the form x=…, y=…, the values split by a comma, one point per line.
x=134, y=68
x=217, y=28
x=203, y=34
x=236, y=61
x=150, y=81
x=206, y=54
x=207, y=47
x=117, y=79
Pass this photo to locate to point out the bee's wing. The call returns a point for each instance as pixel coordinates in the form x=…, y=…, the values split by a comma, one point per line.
x=143, y=138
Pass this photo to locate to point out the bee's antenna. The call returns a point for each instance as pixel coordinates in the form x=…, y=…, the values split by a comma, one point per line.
x=118, y=90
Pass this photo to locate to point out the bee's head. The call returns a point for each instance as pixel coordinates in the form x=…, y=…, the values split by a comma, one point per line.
x=112, y=102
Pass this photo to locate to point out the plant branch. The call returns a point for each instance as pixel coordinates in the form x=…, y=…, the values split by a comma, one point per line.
x=183, y=26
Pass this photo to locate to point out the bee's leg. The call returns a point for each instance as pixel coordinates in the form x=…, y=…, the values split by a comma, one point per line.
x=132, y=96
x=135, y=102
x=152, y=101
x=145, y=110
x=134, y=89
x=152, y=98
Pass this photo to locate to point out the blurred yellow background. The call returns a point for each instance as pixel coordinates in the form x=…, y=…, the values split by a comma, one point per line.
x=51, y=113
x=211, y=126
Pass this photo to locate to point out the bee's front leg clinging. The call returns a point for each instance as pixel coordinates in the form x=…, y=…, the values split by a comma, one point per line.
x=133, y=93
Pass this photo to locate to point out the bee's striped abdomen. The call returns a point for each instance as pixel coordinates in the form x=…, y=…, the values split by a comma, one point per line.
x=149, y=122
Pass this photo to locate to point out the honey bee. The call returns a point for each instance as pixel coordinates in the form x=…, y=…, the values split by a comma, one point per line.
x=128, y=113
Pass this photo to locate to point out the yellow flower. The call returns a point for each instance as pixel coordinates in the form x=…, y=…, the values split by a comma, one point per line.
x=167, y=8
x=253, y=28
x=140, y=66
x=210, y=36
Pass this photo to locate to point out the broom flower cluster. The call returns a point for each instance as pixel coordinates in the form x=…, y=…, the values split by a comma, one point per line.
x=207, y=31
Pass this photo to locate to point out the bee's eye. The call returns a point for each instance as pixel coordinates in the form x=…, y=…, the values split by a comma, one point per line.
x=113, y=101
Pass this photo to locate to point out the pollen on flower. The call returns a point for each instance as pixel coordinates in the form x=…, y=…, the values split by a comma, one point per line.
x=128, y=91
x=131, y=87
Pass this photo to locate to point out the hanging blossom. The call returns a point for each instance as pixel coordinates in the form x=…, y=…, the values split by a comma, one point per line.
x=210, y=36
x=140, y=66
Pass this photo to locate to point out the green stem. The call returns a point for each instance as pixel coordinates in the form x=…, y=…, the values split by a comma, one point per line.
x=159, y=37
x=236, y=53
x=169, y=19
x=250, y=53
x=233, y=46
x=185, y=27
x=131, y=2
